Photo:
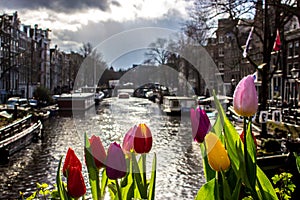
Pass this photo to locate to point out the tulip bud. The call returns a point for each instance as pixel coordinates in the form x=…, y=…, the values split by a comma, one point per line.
x=75, y=183
x=200, y=124
x=245, y=101
x=115, y=162
x=142, y=139
x=71, y=160
x=128, y=140
x=217, y=155
x=98, y=151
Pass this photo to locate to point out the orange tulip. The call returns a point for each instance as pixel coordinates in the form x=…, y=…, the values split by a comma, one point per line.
x=217, y=155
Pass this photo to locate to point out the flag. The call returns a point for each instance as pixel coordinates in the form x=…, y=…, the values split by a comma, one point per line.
x=247, y=42
x=277, y=43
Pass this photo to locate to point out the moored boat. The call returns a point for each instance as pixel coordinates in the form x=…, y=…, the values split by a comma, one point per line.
x=76, y=101
x=177, y=104
x=17, y=135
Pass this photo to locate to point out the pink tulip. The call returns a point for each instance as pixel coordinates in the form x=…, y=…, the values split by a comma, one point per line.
x=200, y=124
x=128, y=140
x=115, y=162
x=142, y=141
x=98, y=151
x=245, y=101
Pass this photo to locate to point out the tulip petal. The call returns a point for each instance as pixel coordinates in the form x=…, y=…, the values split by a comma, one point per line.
x=98, y=151
x=245, y=101
x=200, y=124
x=142, y=139
x=75, y=183
x=71, y=160
x=217, y=155
x=115, y=162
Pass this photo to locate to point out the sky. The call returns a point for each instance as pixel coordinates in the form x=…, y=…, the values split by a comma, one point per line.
x=74, y=22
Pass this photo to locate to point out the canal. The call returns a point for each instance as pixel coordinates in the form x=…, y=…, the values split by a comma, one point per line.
x=179, y=164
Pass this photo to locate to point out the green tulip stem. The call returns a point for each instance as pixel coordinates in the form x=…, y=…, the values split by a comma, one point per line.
x=118, y=190
x=217, y=184
x=245, y=142
x=144, y=171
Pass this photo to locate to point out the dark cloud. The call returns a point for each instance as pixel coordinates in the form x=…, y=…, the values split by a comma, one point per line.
x=57, y=5
x=95, y=33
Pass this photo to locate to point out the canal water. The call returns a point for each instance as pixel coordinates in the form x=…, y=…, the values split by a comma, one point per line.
x=179, y=164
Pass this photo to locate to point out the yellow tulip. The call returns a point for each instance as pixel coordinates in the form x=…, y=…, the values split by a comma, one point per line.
x=217, y=155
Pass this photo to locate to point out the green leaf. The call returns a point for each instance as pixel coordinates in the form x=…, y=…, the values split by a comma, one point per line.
x=92, y=170
x=237, y=189
x=234, y=145
x=60, y=187
x=128, y=182
x=208, y=191
x=151, y=194
x=31, y=197
x=104, y=181
x=265, y=188
x=225, y=187
x=251, y=157
x=208, y=171
x=297, y=161
x=138, y=178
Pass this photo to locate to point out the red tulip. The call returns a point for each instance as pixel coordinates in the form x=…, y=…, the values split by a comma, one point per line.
x=75, y=183
x=98, y=151
x=71, y=160
x=245, y=101
x=200, y=124
x=128, y=140
x=242, y=138
x=115, y=162
x=142, y=139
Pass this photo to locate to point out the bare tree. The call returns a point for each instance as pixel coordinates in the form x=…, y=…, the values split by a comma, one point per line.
x=158, y=52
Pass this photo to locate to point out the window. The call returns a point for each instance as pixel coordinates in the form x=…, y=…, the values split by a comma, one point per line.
x=221, y=51
x=290, y=49
x=221, y=66
x=296, y=49
x=221, y=39
x=290, y=66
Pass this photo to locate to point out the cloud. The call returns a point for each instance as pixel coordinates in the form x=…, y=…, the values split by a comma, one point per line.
x=58, y=5
x=95, y=32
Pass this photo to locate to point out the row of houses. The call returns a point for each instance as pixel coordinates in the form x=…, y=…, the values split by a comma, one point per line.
x=232, y=66
x=27, y=60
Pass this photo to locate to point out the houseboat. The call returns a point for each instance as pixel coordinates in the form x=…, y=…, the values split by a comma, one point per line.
x=177, y=104
x=75, y=101
x=17, y=135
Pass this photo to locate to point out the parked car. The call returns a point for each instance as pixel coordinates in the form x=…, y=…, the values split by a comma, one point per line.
x=33, y=103
x=11, y=102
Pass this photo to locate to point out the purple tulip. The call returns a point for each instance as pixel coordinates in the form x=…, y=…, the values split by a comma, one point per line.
x=245, y=101
x=200, y=124
x=115, y=162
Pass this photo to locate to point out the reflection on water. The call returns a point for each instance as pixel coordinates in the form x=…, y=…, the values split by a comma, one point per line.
x=179, y=170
